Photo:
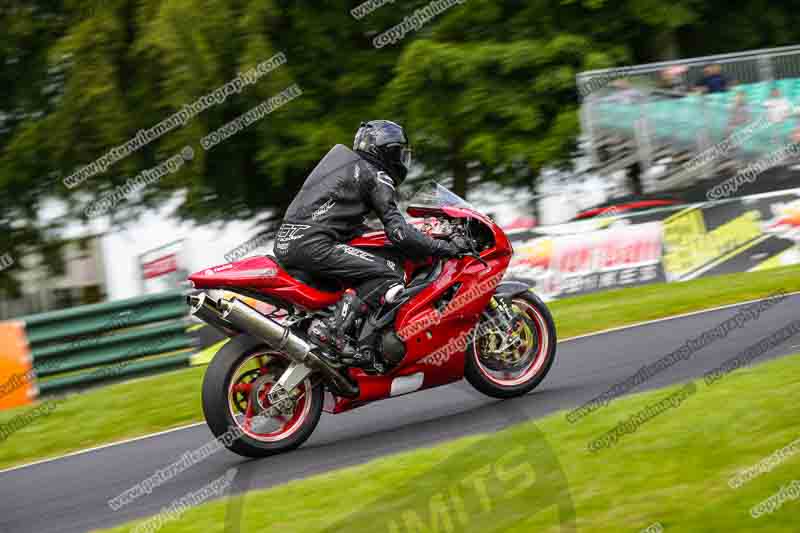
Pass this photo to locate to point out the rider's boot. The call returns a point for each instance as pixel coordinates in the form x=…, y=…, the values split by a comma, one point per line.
x=335, y=331
x=346, y=312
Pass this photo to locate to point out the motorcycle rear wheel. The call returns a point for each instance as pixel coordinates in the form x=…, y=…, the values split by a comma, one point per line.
x=236, y=405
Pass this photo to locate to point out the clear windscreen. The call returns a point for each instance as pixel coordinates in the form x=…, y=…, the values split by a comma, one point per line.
x=428, y=194
x=432, y=194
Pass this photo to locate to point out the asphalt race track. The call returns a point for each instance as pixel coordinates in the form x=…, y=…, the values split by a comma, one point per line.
x=71, y=494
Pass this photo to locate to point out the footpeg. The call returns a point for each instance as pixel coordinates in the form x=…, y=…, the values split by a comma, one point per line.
x=319, y=333
x=341, y=347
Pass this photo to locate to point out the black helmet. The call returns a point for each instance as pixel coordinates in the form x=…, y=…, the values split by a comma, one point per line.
x=386, y=143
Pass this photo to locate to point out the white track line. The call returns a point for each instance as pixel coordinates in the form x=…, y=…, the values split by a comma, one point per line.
x=605, y=331
x=102, y=446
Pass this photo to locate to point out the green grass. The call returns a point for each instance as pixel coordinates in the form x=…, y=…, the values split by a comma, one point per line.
x=103, y=415
x=674, y=470
x=599, y=311
x=154, y=404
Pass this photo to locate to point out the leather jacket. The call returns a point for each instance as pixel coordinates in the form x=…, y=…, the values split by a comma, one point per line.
x=342, y=190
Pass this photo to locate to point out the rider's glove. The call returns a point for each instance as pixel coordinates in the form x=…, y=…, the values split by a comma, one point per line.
x=461, y=243
x=456, y=247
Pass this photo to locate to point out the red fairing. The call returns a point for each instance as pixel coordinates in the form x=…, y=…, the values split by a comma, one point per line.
x=502, y=244
x=378, y=239
x=373, y=239
x=436, y=342
x=262, y=274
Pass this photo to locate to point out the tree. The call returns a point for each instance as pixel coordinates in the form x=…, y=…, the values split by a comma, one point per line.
x=30, y=91
x=487, y=89
x=491, y=91
x=129, y=65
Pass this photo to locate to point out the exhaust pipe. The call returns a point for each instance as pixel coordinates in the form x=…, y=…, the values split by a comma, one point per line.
x=205, y=308
x=247, y=319
x=277, y=336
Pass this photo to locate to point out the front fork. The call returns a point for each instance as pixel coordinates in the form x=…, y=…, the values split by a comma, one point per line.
x=508, y=322
x=502, y=308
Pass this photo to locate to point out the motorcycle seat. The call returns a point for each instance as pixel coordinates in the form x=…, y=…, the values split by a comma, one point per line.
x=307, y=278
x=316, y=282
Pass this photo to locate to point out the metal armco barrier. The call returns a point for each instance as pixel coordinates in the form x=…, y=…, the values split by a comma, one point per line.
x=104, y=342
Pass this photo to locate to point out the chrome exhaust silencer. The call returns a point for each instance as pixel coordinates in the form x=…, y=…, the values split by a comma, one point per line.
x=256, y=324
x=247, y=319
x=205, y=308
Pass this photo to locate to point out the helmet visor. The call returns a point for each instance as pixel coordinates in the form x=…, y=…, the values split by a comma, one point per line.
x=405, y=157
x=399, y=153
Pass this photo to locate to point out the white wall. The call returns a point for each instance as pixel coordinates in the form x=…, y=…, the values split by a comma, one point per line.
x=204, y=245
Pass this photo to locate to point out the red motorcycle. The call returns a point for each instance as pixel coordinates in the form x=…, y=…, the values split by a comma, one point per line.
x=265, y=390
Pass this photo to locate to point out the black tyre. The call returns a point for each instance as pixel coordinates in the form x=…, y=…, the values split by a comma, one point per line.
x=235, y=401
x=524, y=356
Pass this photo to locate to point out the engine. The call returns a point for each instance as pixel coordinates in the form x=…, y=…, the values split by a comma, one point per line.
x=392, y=349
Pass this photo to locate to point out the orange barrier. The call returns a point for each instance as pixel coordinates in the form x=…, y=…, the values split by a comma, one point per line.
x=17, y=380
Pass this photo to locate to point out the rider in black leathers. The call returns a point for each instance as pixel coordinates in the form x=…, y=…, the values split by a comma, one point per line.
x=330, y=210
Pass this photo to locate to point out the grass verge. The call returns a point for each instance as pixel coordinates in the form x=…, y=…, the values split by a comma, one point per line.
x=158, y=403
x=674, y=470
x=604, y=310
x=79, y=421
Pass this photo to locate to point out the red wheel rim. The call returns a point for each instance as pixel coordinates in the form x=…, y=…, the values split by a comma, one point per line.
x=538, y=358
x=249, y=421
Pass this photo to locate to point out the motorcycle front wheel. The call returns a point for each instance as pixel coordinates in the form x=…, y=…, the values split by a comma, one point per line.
x=510, y=357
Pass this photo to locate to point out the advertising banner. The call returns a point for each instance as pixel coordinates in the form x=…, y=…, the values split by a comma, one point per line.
x=159, y=267
x=163, y=268
x=673, y=244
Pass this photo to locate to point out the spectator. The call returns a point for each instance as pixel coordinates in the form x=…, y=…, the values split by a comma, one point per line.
x=713, y=80
x=779, y=109
x=625, y=93
x=740, y=114
x=671, y=79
